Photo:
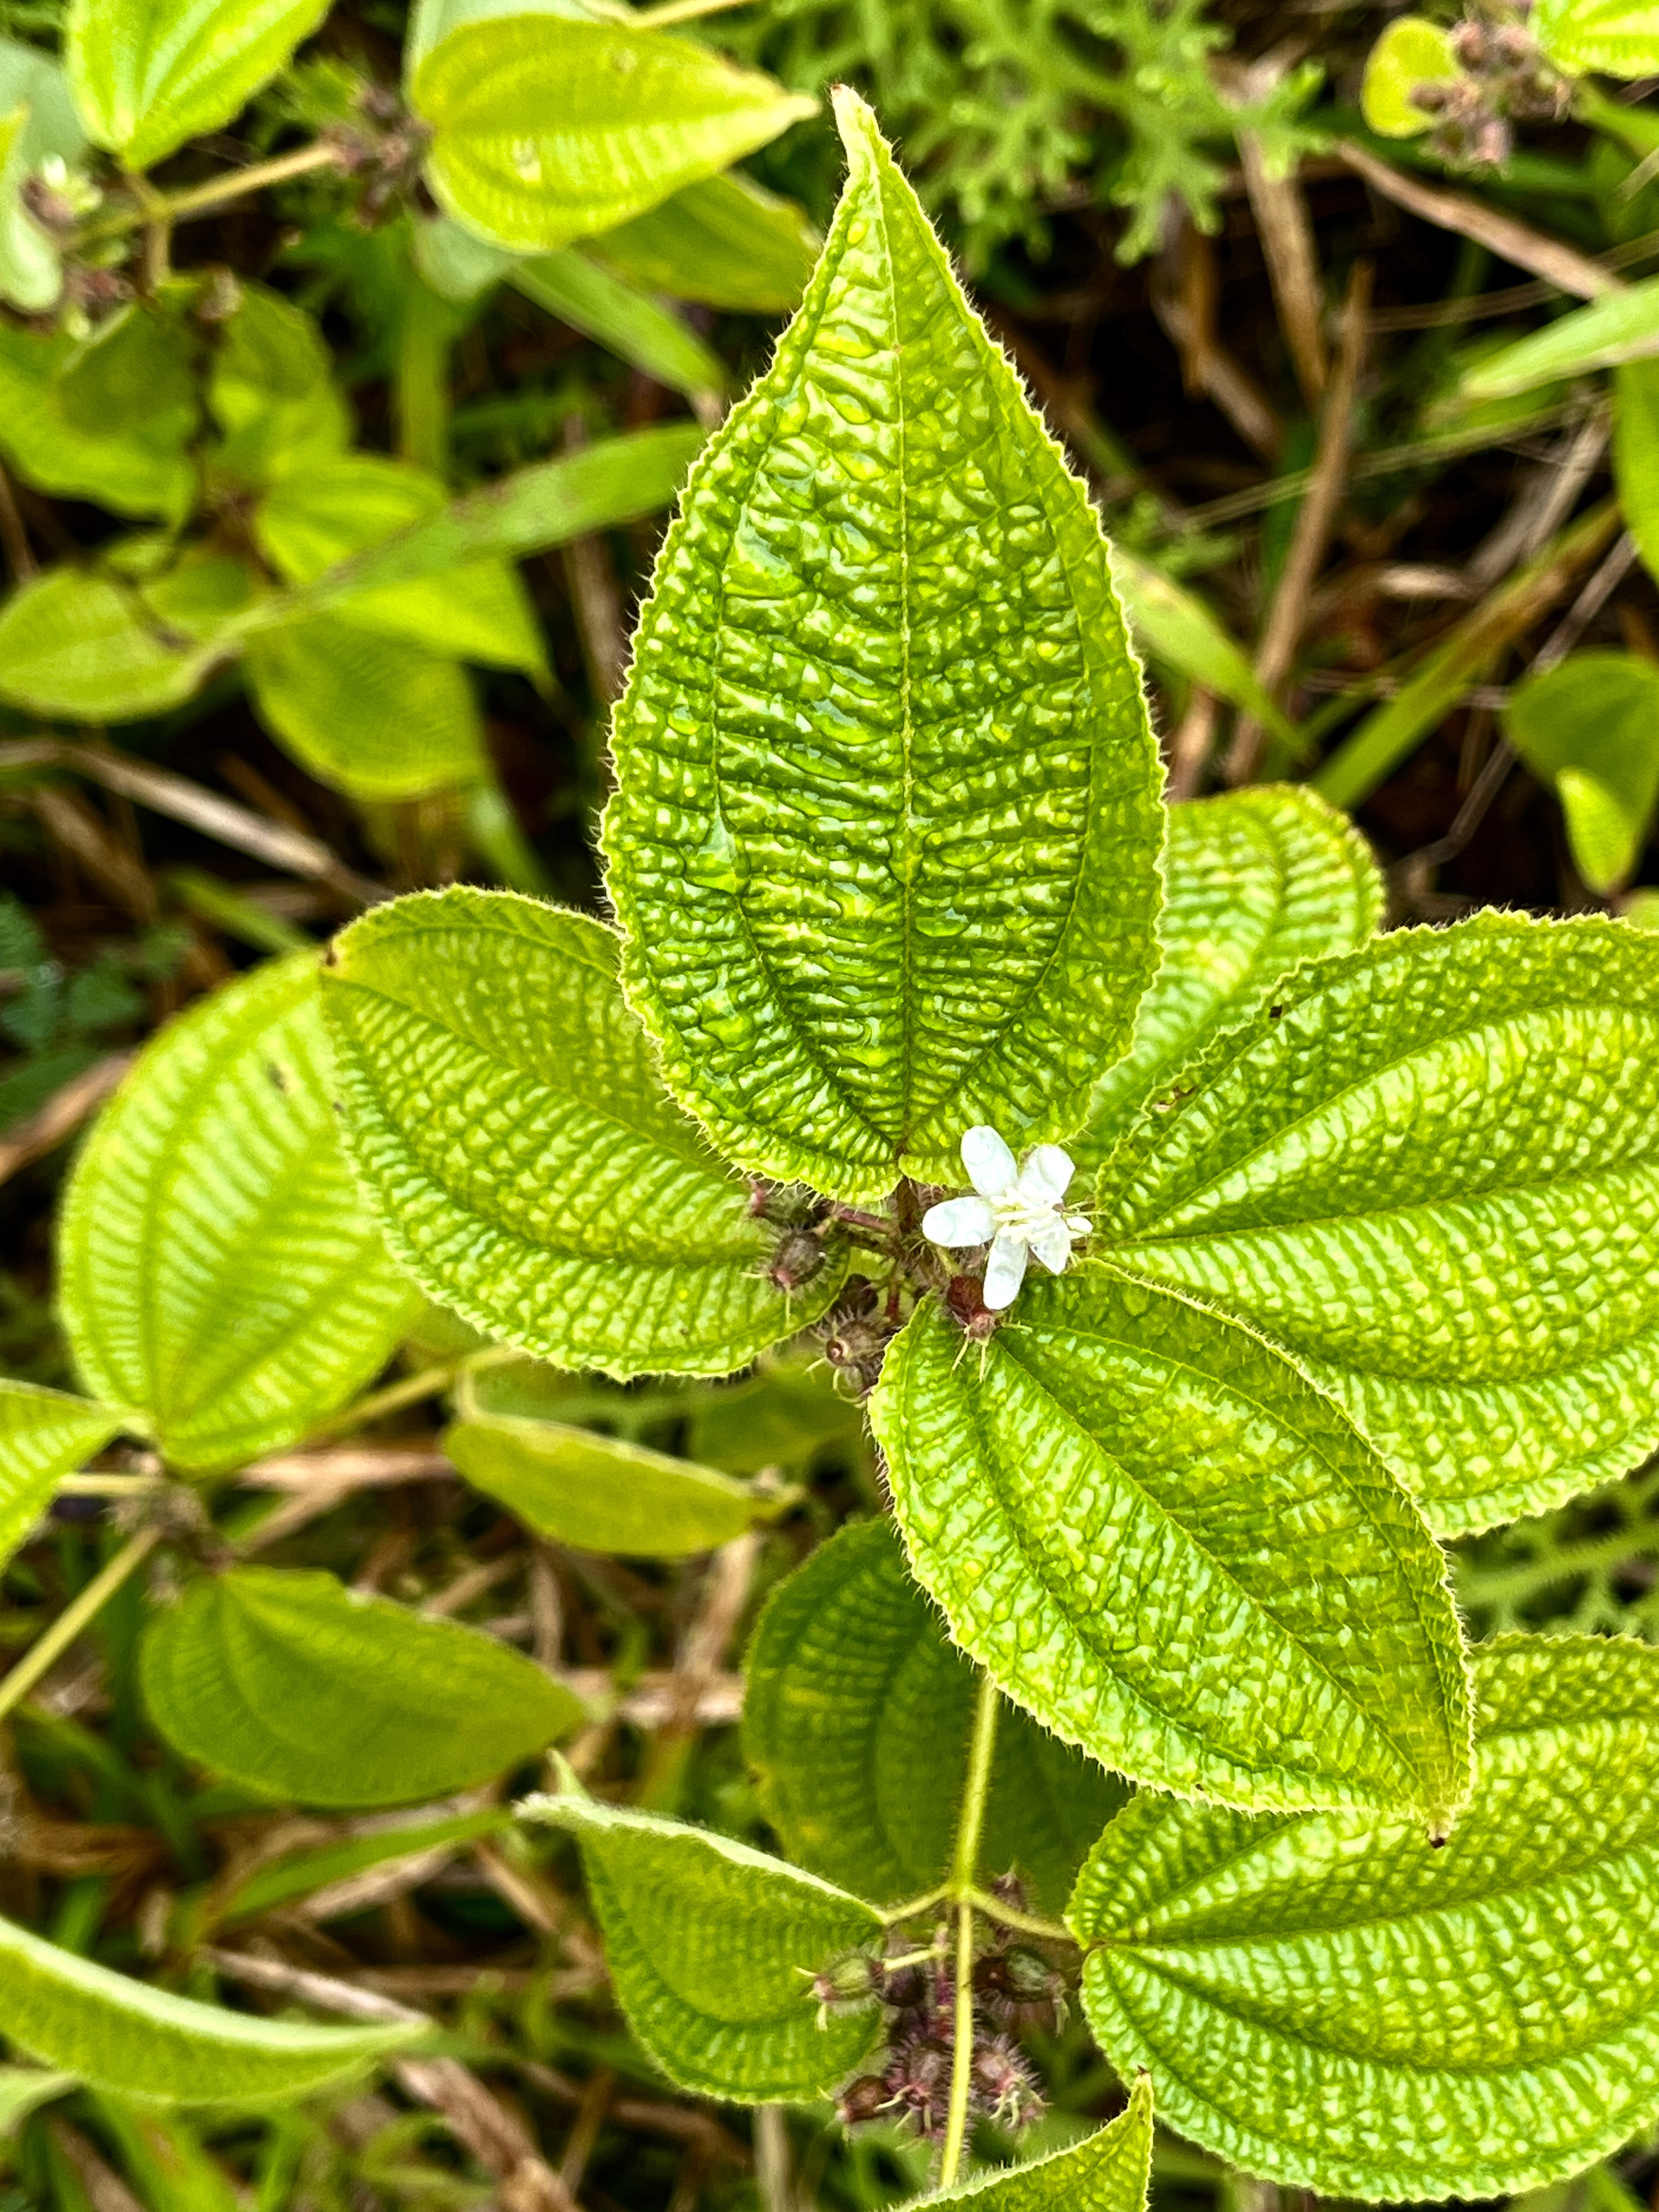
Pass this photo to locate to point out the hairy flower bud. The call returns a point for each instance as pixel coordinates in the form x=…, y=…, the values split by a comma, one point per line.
x=797, y=1257
x=1003, y=2084
x=850, y=1979
x=867, y=2099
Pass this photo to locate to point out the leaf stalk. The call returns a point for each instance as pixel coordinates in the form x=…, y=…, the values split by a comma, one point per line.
x=81, y=1609
x=969, y=1828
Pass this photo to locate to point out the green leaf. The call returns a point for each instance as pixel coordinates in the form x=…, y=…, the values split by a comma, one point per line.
x=1590, y=727
x=1636, y=455
x=1255, y=882
x=1108, y=2171
x=133, y=368
x=291, y=1685
x=857, y=1715
x=608, y=308
x=270, y=390
x=133, y=469
x=365, y=713
x=885, y=833
x=711, y=1948
x=217, y=1269
x=96, y=648
x=1171, y=1548
x=1387, y=1173
x=163, y=2049
x=1621, y=326
x=1412, y=51
x=44, y=1436
x=1330, y=2004
x=1175, y=625
x=148, y=74
x=1617, y=36
x=785, y=1416
x=614, y=481
x=548, y=128
x=603, y=1495
x=724, y=241
x=533, y=1176
x=40, y=124
x=23, y=2089
x=314, y=517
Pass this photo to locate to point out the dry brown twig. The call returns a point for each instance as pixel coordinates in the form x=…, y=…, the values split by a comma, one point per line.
x=1515, y=242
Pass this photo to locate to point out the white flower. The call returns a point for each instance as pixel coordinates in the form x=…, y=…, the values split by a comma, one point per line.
x=1017, y=1212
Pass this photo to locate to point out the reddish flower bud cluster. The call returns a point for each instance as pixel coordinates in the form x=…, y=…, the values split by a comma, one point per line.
x=1506, y=80
x=855, y=1333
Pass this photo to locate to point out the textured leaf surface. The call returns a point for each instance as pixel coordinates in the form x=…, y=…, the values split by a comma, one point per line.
x=1618, y=36
x=1175, y=1552
x=217, y=1268
x=711, y=1947
x=1333, y=2003
x=376, y=716
x=318, y=515
x=1106, y=2172
x=44, y=1436
x=146, y=2043
x=549, y=128
x=724, y=242
x=604, y=306
x=884, y=839
x=533, y=1174
x=1434, y=1174
x=1590, y=727
x=1254, y=882
x=603, y=1495
x=857, y=1715
x=148, y=74
x=291, y=1684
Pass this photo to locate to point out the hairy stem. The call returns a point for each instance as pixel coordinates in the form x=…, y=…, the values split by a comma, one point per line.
x=74, y=1618
x=177, y=207
x=1023, y=1923
x=969, y=1827
x=914, y=1907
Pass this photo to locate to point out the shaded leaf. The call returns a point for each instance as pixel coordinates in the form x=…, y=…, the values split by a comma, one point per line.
x=724, y=240
x=785, y=1416
x=1591, y=728
x=134, y=368
x=373, y=716
x=23, y=2089
x=884, y=838
x=548, y=127
x=44, y=1436
x=1171, y=1548
x=1636, y=454
x=271, y=389
x=148, y=74
x=711, y=1948
x=39, y=124
x=294, y=1686
x=1175, y=625
x=504, y=1113
x=1331, y=2003
x=603, y=1495
x=1255, y=882
x=608, y=308
x=149, y=2044
x=216, y=1268
x=134, y=469
x=1387, y=1173
x=1106, y=2172
x=857, y=1715
x=1621, y=326
x=96, y=647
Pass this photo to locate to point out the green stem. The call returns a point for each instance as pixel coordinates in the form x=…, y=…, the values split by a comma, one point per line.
x=409, y=1391
x=82, y=1609
x=683, y=11
x=111, y=1485
x=969, y=1827
x=1023, y=1923
x=178, y=207
x=915, y=1906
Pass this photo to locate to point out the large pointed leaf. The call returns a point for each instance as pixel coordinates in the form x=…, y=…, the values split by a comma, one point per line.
x=533, y=1174
x=548, y=128
x=1431, y=1169
x=149, y=2044
x=885, y=835
x=1335, y=2004
x=712, y=1947
x=1254, y=882
x=857, y=1715
x=1108, y=2171
x=603, y=1495
x=44, y=1435
x=289, y=1684
x=148, y=74
x=218, y=1270
x=1174, y=1552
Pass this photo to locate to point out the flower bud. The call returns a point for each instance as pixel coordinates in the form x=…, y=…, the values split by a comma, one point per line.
x=867, y=2099
x=797, y=1257
x=851, y=1979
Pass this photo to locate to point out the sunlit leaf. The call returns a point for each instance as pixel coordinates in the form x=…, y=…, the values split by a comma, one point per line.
x=1412, y=51
x=148, y=74
x=1106, y=2172
x=44, y=1436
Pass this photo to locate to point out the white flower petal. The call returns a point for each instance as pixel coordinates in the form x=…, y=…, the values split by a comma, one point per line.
x=1045, y=1174
x=1078, y=1224
x=1006, y=1272
x=991, y=1166
x=959, y=1221
x=1052, y=1246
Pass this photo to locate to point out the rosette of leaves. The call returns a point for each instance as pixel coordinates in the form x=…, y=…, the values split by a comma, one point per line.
x=1368, y=1263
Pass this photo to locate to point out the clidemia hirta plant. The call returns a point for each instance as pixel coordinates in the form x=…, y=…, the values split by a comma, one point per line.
x=1205, y=1257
